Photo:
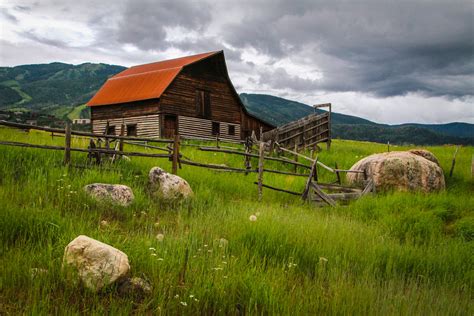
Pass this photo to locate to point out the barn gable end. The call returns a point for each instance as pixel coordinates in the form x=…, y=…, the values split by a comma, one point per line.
x=192, y=96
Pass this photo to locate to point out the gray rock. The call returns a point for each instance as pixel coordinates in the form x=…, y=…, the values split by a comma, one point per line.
x=401, y=171
x=168, y=186
x=115, y=193
x=94, y=263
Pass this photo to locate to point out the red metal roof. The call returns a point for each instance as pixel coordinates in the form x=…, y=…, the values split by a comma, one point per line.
x=143, y=82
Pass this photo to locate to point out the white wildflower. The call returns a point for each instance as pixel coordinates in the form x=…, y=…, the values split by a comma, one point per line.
x=184, y=303
x=160, y=237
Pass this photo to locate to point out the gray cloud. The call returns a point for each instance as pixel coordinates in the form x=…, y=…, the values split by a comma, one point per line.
x=4, y=12
x=386, y=48
x=144, y=21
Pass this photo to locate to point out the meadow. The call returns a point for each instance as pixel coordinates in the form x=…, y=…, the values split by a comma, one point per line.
x=388, y=254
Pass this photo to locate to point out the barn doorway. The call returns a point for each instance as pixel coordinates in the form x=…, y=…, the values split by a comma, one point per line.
x=170, y=126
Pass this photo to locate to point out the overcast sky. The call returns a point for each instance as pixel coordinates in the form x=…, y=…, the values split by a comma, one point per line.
x=388, y=61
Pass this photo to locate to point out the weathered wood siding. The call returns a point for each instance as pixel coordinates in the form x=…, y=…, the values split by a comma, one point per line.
x=250, y=124
x=197, y=127
x=180, y=99
x=139, y=108
x=147, y=125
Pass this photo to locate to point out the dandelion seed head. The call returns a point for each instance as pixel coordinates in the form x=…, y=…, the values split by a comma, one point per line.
x=160, y=237
x=253, y=218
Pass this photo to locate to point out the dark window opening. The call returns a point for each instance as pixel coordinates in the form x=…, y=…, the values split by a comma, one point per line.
x=110, y=130
x=231, y=130
x=216, y=128
x=203, y=103
x=132, y=130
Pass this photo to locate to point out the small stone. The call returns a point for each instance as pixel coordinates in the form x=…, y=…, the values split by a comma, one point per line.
x=116, y=193
x=168, y=186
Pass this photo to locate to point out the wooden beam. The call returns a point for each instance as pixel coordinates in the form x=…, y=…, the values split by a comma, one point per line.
x=323, y=195
x=304, y=196
x=278, y=189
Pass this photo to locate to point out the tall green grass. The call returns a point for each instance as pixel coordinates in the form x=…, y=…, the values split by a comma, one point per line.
x=395, y=253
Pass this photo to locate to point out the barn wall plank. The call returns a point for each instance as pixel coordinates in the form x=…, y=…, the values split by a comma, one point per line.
x=147, y=125
x=197, y=127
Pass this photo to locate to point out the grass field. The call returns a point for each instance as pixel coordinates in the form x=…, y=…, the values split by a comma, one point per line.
x=392, y=254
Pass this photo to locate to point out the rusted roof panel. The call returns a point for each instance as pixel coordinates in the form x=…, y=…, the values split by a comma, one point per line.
x=143, y=82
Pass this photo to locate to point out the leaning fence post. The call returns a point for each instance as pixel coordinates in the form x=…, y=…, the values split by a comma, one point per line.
x=261, y=157
x=454, y=162
x=67, y=144
x=174, y=168
x=296, y=155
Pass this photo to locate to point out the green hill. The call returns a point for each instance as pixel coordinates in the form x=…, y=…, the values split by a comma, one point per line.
x=54, y=88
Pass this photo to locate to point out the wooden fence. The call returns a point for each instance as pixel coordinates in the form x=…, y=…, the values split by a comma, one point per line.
x=304, y=133
x=313, y=190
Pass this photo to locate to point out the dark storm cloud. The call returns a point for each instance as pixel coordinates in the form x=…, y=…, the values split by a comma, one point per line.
x=386, y=48
x=144, y=21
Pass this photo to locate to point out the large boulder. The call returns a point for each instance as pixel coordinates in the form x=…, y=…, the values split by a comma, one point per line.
x=401, y=171
x=96, y=264
x=116, y=193
x=168, y=186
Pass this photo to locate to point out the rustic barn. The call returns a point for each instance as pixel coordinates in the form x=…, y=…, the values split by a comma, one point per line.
x=192, y=96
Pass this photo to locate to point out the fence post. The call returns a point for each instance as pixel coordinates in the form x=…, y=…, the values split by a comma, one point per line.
x=122, y=133
x=261, y=158
x=67, y=144
x=454, y=162
x=174, y=168
x=217, y=140
x=337, y=173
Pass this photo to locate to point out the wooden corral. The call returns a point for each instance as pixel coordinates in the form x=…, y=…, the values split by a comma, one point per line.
x=305, y=132
x=191, y=96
